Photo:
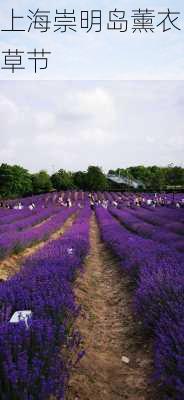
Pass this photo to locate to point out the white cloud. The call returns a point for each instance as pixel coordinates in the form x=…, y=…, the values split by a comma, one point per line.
x=45, y=120
x=74, y=124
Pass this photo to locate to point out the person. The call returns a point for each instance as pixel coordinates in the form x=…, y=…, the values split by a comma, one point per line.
x=149, y=202
x=20, y=206
x=105, y=204
x=92, y=204
x=69, y=203
x=136, y=201
x=60, y=200
x=31, y=206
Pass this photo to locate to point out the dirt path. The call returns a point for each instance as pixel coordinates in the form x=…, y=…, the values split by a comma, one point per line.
x=109, y=332
x=11, y=265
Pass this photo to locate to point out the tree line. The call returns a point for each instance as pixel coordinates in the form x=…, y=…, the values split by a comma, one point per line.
x=153, y=177
x=16, y=181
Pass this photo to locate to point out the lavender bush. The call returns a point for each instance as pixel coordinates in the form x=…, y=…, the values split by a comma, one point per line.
x=36, y=218
x=157, y=270
x=34, y=361
x=14, y=242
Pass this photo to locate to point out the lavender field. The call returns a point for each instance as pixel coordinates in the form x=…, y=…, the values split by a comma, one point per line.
x=50, y=242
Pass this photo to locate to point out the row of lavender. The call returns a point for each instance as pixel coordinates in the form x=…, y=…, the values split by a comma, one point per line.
x=128, y=196
x=157, y=229
x=34, y=360
x=16, y=241
x=157, y=270
x=76, y=196
x=43, y=200
x=33, y=218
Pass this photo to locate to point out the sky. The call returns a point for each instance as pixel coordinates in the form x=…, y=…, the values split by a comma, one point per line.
x=74, y=124
x=97, y=56
x=111, y=99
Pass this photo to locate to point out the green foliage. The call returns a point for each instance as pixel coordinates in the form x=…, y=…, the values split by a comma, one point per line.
x=62, y=180
x=93, y=179
x=96, y=180
x=15, y=181
x=80, y=180
x=41, y=182
x=175, y=175
x=155, y=178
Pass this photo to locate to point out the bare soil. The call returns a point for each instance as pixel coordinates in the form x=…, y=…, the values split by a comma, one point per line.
x=10, y=265
x=109, y=332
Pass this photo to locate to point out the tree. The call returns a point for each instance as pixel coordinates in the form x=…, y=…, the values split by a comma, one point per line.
x=111, y=172
x=156, y=178
x=96, y=180
x=175, y=175
x=80, y=180
x=62, y=180
x=140, y=172
x=41, y=182
x=15, y=181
